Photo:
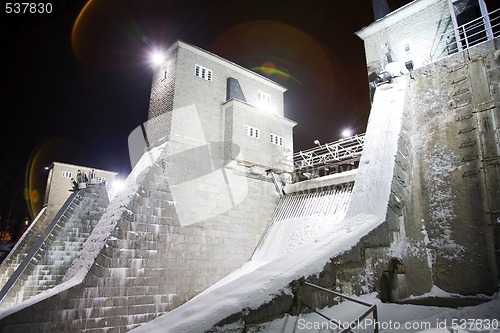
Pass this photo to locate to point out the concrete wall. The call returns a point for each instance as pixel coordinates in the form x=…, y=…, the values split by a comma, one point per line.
x=456, y=143
x=258, y=152
x=451, y=143
x=442, y=217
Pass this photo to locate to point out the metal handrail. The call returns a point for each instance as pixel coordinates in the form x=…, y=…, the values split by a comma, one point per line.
x=37, y=246
x=481, y=29
x=372, y=308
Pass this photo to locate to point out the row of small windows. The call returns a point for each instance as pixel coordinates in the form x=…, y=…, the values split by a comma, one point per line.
x=203, y=72
x=255, y=133
x=206, y=74
x=277, y=140
x=264, y=98
x=69, y=174
x=252, y=131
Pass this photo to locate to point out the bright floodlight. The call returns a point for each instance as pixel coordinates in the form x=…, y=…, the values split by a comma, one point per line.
x=157, y=58
x=118, y=185
x=346, y=132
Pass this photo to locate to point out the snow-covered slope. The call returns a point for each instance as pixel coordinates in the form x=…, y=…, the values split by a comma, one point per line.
x=249, y=289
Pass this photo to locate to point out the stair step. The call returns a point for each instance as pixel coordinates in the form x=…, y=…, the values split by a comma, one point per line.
x=51, y=262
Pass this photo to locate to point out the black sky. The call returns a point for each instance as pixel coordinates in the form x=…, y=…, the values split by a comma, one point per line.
x=74, y=94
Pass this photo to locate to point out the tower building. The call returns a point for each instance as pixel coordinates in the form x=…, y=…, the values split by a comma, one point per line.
x=238, y=112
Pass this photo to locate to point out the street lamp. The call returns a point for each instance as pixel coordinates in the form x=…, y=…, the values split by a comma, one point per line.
x=157, y=58
x=346, y=133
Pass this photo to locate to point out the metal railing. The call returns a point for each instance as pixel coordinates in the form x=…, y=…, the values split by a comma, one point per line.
x=481, y=29
x=37, y=246
x=372, y=309
x=346, y=150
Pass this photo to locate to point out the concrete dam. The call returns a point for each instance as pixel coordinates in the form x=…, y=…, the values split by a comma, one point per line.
x=202, y=239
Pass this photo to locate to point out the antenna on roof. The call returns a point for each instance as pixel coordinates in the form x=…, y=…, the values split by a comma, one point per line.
x=380, y=8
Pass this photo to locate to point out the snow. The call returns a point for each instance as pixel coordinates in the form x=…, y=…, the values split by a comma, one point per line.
x=258, y=283
x=116, y=209
x=101, y=232
x=398, y=317
x=329, y=180
x=272, y=269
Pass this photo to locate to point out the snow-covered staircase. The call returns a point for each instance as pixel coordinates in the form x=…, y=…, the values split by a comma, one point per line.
x=19, y=251
x=60, y=246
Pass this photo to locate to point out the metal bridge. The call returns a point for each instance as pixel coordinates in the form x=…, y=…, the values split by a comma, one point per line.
x=330, y=156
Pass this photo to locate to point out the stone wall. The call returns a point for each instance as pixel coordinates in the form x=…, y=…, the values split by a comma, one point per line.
x=376, y=232
x=161, y=101
x=456, y=143
x=443, y=211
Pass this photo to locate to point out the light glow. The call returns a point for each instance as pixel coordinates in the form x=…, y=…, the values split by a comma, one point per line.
x=118, y=185
x=346, y=133
x=157, y=58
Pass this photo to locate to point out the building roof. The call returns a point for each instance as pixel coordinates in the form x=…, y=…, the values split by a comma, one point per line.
x=80, y=166
x=393, y=17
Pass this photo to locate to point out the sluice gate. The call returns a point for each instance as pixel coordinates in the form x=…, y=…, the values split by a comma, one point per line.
x=322, y=202
x=302, y=216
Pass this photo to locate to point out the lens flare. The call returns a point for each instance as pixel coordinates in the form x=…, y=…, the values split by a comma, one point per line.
x=279, y=73
x=267, y=68
x=111, y=34
x=279, y=51
x=36, y=174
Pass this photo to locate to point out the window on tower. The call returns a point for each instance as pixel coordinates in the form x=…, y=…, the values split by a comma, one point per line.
x=203, y=73
x=277, y=140
x=252, y=131
x=264, y=99
x=67, y=174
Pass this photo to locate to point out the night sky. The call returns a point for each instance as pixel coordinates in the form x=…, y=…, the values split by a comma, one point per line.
x=77, y=80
